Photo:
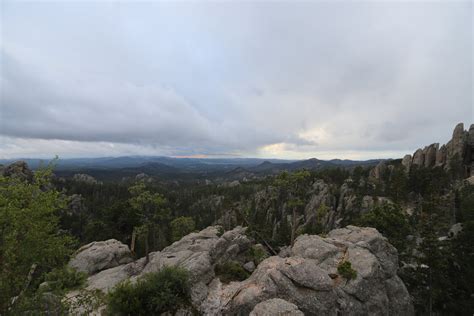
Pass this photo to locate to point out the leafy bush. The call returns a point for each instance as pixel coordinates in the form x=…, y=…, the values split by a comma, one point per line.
x=155, y=293
x=65, y=278
x=38, y=303
x=231, y=271
x=181, y=226
x=346, y=271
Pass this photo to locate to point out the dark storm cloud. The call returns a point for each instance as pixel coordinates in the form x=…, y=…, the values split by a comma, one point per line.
x=249, y=78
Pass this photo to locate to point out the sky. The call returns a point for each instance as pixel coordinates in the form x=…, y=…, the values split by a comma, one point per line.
x=273, y=79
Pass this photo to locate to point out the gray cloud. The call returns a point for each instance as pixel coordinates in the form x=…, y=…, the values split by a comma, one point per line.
x=300, y=79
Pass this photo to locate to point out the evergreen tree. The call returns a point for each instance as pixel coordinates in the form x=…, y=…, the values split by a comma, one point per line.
x=31, y=243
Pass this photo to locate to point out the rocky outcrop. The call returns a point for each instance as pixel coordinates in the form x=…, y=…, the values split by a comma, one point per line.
x=441, y=156
x=82, y=177
x=406, y=162
x=306, y=282
x=100, y=255
x=197, y=252
x=228, y=219
x=276, y=307
x=430, y=155
x=456, y=146
x=418, y=158
x=320, y=196
x=143, y=177
x=347, y=201
x=369, y=202
x=378, y=171
x=18, y=170
x=470, y=150
x=75, y=205
x=457, y=153
x=310, y=280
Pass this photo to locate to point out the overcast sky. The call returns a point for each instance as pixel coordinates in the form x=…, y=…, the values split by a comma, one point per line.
x=285, y=79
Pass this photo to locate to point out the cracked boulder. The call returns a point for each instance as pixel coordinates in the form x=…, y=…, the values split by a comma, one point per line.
x=101, y=255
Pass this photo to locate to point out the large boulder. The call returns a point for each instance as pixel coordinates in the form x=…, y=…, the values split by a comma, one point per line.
x=101, y=255
x=310, y=280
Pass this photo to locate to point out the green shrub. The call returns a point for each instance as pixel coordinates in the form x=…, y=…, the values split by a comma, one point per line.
x=220, y=231
x=256, y=254
x=155, y=293
x=346, y=271
x=66, y=278
x=181, y=226
x=231, y=271
x=38, y=303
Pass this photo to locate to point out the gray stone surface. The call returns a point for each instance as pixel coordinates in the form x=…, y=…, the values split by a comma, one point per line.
x=306, y=282
x=101, y=255
x=430, y=155
x=406, y=162
x=418, y=158
x=249, y=266
x=441, y=156
x=276, y=307
x=309, y=278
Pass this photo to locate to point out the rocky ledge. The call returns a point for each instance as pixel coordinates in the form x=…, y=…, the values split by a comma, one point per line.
x=306, y=281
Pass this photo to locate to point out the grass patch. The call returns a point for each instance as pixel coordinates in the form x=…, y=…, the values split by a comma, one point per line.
x=346, y=271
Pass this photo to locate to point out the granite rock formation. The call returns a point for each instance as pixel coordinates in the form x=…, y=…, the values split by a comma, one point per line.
x=457, y=153
x=305, y=282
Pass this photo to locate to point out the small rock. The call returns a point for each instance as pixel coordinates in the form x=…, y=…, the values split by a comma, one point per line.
x=249, y=266
x=276, y=306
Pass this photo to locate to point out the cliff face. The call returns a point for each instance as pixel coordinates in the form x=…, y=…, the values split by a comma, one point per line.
x=457, y=153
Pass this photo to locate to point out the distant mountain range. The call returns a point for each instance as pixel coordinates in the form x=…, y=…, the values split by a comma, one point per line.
x=170, y=167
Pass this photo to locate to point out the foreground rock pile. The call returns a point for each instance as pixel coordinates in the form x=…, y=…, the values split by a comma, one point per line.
x=306, y=281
